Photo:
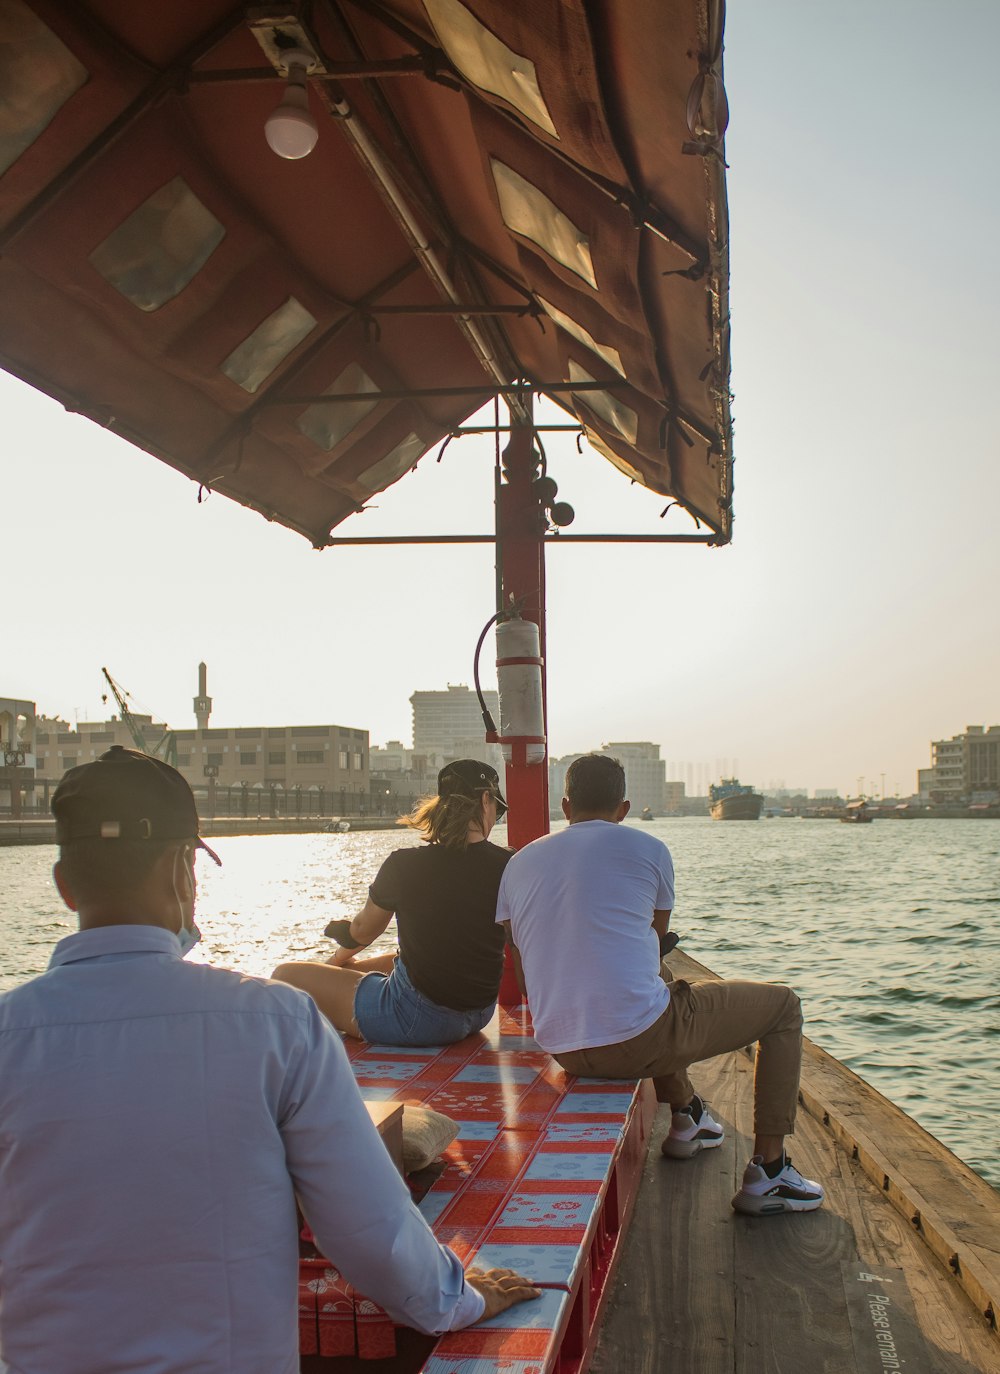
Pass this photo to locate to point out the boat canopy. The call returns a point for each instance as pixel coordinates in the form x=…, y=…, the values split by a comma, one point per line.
x=500, y=195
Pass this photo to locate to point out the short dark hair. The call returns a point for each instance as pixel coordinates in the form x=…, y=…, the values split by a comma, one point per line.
x=595, y=782
x=111, y=868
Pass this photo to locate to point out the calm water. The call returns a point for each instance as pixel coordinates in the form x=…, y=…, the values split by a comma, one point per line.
x=890, y=933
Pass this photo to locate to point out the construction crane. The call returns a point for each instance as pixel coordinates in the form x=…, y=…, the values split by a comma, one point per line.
x=165, y=748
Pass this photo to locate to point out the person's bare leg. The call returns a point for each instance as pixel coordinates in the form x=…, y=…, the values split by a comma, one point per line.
x=373, y=963
x=332, y=989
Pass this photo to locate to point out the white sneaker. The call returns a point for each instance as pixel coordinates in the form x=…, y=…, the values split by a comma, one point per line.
x=692, y=1130
x=761, y=1196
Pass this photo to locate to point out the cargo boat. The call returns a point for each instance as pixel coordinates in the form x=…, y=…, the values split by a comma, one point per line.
x=729, y=800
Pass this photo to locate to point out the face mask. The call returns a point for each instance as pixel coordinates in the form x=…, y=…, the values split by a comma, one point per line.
x=188, y=935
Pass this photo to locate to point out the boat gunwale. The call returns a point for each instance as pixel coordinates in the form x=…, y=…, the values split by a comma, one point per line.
x=961, y=1259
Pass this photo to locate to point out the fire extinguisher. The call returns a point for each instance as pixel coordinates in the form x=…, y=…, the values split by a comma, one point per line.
x=519, y=680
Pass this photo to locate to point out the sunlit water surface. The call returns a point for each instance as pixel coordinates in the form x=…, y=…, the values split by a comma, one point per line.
x=890, y=932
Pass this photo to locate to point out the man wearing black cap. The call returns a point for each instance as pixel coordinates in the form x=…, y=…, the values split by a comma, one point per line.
x=159, y=1119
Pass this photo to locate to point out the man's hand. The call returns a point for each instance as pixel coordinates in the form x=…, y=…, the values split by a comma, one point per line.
x=501, y=1288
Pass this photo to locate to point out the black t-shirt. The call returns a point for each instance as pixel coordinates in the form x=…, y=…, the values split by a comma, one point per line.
x=445, y=902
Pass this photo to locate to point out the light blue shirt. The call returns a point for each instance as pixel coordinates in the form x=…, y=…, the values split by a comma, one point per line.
x=157, y=1120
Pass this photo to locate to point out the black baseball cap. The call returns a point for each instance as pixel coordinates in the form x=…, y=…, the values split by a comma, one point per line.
x=469, y=777
x=126, y=795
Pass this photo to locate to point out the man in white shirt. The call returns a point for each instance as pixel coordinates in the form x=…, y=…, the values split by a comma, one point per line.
x=159, y=1119
x=586, y=909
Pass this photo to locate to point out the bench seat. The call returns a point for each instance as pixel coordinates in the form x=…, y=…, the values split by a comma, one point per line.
x=541, y=1179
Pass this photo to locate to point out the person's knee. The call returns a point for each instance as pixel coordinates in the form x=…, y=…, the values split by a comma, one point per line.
x=791, y=1007
x=286, y=973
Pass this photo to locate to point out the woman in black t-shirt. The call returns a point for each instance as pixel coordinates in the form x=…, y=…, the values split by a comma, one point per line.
x=443, y=984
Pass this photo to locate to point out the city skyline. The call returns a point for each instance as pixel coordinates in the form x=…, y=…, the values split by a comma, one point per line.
x=845, y=628
x=696, y=774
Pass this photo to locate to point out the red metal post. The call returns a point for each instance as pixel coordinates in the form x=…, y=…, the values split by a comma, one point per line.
x=521, y=524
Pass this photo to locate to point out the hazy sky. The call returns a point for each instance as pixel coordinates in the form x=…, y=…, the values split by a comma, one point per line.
x=852, y=620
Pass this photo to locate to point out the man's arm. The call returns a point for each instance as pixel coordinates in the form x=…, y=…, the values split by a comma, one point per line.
x=515, y=955
x=661, y=922
x=360, y=1209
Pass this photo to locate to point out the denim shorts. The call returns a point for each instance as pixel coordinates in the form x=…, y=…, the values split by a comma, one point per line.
x=390, y=1011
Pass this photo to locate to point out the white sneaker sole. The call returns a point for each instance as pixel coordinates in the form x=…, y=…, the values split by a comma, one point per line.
x=685, y=1149
x=768, y=1206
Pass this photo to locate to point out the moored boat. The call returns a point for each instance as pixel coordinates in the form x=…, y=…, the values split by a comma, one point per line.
x=730, y=800
x=857, y=812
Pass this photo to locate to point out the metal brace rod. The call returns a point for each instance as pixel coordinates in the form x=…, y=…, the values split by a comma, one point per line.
x=441, y=309
x=548, y=538
x=430, y=393
x=506, y=429
x=335, y=71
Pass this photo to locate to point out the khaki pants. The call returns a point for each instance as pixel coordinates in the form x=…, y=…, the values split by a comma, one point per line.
x=703, y=1020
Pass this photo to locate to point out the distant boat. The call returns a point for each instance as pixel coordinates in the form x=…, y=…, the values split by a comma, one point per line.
x=646, y=814
x=856, y=813
x=729, y=800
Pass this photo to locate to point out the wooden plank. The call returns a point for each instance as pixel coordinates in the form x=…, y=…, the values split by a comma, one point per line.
x=673, y=1302
x=788, y=1295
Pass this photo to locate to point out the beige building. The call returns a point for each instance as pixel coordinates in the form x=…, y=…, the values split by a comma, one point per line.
x=557, y=781
x=645, y=773
x=965, y=767
x=645, y=781
x=449, y=725
x=289, y=769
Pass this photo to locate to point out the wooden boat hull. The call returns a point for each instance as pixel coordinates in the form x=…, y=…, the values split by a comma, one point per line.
x=745, y=806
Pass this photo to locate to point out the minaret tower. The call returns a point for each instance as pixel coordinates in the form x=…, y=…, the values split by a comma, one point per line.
x=202, y=702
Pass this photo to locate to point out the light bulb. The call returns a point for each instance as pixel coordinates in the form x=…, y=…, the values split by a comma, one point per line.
x=290, y=130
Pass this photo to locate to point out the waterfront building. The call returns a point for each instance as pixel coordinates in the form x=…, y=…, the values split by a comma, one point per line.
x=305, y=759
x=645, y=782
x=965, y=768
x=449, y=725
x=273, y=769
x=386, y=760
x=17, y=752
x=645, y=773
x=925, y=783
x=400, y=776
x=557, y=781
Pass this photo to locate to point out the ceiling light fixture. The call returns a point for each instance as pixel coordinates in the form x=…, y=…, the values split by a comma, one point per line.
x=290, y=129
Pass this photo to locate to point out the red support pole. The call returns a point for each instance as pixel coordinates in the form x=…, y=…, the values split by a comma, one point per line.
x=521, y=525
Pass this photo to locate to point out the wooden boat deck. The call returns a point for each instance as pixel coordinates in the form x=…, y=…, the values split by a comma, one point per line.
x=701, y=1290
